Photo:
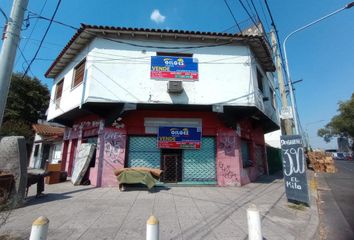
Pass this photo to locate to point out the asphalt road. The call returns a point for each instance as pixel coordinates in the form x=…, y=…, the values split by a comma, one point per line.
x=336, y=193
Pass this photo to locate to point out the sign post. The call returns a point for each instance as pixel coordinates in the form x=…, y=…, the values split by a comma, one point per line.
x=294, y=169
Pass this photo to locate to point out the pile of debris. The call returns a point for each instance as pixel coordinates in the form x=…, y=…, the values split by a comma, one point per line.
x=321, y=162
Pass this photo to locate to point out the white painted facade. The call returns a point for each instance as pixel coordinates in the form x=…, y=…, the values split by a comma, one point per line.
x=117, y=72
x=37, y=156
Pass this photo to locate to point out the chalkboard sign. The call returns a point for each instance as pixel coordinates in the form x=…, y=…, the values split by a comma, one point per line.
x=294, y=168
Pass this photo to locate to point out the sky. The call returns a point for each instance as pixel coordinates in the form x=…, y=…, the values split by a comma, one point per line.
x=322, y=55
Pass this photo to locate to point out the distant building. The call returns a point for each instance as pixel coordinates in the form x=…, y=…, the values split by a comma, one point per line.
x=47, y=146
x=343, y=144
x=194, y=104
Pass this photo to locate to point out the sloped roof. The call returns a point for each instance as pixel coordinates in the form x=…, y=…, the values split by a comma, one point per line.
x=86, y=33
x=47, y=130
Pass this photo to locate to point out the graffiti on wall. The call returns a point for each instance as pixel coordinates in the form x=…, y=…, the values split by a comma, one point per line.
x=114, y=147
x=226, y=171
x=228, y=144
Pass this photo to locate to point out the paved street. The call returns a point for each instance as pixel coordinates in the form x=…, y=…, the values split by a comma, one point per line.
x=336, y=195
x=84, y=212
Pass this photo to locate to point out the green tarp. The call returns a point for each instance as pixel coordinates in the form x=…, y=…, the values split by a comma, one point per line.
x=132, y=176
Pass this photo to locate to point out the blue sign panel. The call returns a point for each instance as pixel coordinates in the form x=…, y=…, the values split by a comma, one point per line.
x=179, y=137
x=166, y=67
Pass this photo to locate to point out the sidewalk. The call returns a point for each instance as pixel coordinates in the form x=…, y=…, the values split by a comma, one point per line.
x=84, y=212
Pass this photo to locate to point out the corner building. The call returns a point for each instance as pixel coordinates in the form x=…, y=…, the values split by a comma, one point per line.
x=194, y=104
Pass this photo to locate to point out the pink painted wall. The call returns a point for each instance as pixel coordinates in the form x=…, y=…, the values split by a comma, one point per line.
x=228, y=160
x=114, y=146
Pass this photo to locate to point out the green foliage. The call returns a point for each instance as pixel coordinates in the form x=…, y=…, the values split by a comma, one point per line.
x=342, y=124
x=16, y=128
x=27, y=99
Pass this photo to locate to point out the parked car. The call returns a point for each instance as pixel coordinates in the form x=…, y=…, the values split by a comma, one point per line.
x=338, y=156
x=348, y=156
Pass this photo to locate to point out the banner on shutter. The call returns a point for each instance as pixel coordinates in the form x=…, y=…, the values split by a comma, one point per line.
x=166, y=67
x=179, y=137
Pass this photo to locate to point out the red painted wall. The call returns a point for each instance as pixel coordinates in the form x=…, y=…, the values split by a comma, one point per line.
x=111, y=149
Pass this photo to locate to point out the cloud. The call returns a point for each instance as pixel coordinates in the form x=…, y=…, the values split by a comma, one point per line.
x=157, y=17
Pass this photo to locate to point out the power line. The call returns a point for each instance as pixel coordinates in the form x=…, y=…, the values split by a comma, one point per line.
x=233, y=16
x=251, y=10
x=255, y=9
x=244, y=7
x=24, y=58
x=34, y=26
x=45, y=34
x=4, y=14
x=276, y=33
x=264, y=15
x=139, y=45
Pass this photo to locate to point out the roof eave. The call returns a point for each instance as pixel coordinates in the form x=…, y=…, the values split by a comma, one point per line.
x=87, y=32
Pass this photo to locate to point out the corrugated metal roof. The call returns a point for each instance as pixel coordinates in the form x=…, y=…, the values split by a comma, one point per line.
x=48, y=130
x=86, y=33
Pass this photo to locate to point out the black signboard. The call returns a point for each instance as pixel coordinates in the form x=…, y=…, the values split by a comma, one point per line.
x=294, y=168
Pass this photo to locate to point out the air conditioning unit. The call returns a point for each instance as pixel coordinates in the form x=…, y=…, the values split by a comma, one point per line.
x=174, y=86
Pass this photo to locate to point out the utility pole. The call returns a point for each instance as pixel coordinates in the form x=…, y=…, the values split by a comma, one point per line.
x=286, y=125
x=8, y=50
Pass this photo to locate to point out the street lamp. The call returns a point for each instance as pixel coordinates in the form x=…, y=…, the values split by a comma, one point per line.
x=292, y=97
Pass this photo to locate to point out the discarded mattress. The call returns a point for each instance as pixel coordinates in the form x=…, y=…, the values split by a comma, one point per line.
x=136, y=175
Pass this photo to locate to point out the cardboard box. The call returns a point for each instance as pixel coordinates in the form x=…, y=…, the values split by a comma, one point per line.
x=54, y=177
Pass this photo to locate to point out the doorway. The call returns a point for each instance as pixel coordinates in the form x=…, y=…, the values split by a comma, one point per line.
x=171, y=165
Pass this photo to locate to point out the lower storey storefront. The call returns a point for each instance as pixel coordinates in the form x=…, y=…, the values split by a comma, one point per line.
x=225, y=156
x=189, y=166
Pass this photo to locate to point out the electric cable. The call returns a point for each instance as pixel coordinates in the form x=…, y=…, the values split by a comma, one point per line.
x=44, y=36
x=251, y=10
x=34, y=26
x=24, y=58
x=244, y=7
x=263, y=12
x=276, y=34
x=233, y=16
x=4, y=14
x=140, y=45
x=255, y=9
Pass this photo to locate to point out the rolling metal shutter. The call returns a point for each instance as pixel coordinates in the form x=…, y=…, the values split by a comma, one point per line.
x=199, y=165
x=143, y=152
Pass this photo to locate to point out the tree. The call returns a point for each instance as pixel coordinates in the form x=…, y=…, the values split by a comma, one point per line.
x=27, y=99
x=341, y=125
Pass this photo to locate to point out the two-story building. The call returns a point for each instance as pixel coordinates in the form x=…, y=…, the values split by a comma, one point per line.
x=194, y=104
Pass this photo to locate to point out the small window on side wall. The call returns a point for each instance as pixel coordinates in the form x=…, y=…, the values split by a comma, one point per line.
x=59, y=89
x=260, y=80
x=79, y=71
x=36, y=150
x=246, y=153
x=272, y=97
x=58, y=93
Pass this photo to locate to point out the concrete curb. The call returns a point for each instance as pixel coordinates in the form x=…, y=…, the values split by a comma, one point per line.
x=312, y=229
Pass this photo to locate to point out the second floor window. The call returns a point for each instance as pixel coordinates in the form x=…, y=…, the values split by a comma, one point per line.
x=272, y=97
x=79, y=71
x=260, y=80
x=59, y=89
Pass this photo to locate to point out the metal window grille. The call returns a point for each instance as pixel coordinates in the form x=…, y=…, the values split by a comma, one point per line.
x=143, y=152
x=199, y=165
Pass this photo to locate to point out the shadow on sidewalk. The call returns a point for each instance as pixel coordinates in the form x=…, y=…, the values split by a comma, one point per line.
x=49, y=197
x=269, y=179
